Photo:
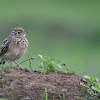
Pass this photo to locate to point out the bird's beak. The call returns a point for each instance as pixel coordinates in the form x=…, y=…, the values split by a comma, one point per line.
x=26, y=32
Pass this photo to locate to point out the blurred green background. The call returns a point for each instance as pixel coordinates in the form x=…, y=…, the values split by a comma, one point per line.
x=65, y=30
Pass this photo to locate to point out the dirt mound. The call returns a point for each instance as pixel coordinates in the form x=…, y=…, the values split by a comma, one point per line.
x=18, y=84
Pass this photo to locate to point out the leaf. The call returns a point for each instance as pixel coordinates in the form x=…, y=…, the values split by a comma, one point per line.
x=40, y=56
x=95, y=89
x=97, y=85
x=86, y=76
x=45, y=63
x=93, y=82
x=93, y=77
x=89, y=82
x=46, y=58
x=57, y=64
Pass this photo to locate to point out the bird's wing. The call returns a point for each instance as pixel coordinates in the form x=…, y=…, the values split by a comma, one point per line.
x=4, y=47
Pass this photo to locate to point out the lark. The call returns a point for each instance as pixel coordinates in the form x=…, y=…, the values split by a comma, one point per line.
x=14, y=46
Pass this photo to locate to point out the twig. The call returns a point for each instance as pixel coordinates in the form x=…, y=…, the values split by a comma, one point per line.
x=29, y=59
x=65, y=66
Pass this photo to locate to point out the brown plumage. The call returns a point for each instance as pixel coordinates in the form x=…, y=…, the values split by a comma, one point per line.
x=14, y=46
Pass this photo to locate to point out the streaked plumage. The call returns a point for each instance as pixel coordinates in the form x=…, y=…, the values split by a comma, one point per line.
x=14, y=46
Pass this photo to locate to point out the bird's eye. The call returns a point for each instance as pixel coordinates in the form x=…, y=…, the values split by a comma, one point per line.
x=18, y=32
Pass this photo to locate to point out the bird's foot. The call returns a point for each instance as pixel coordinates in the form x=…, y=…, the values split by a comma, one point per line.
x=18, y=65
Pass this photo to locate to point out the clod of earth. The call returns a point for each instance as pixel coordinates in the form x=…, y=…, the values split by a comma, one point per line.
x=18, y=84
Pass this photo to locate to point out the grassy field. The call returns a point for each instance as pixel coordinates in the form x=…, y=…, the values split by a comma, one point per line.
x=67, y=31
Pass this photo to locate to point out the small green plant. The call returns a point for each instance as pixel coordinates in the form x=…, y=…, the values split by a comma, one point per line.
x=46, y=95
x=94, y=86
x=48, y=65
x=62, y=96
x=92, y=82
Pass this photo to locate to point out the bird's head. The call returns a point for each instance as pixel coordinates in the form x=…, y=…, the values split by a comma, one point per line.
x=19, y=32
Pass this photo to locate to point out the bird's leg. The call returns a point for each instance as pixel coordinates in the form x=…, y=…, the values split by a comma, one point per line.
x=13, y=66
x=18, y=65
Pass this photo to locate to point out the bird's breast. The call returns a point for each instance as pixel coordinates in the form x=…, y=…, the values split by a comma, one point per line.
x=20, y=42
x=17, y=49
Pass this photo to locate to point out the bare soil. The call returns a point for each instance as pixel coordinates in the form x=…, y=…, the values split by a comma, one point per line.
x=19, y=85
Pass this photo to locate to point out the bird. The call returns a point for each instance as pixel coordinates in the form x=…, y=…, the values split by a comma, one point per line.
x=14, y=46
